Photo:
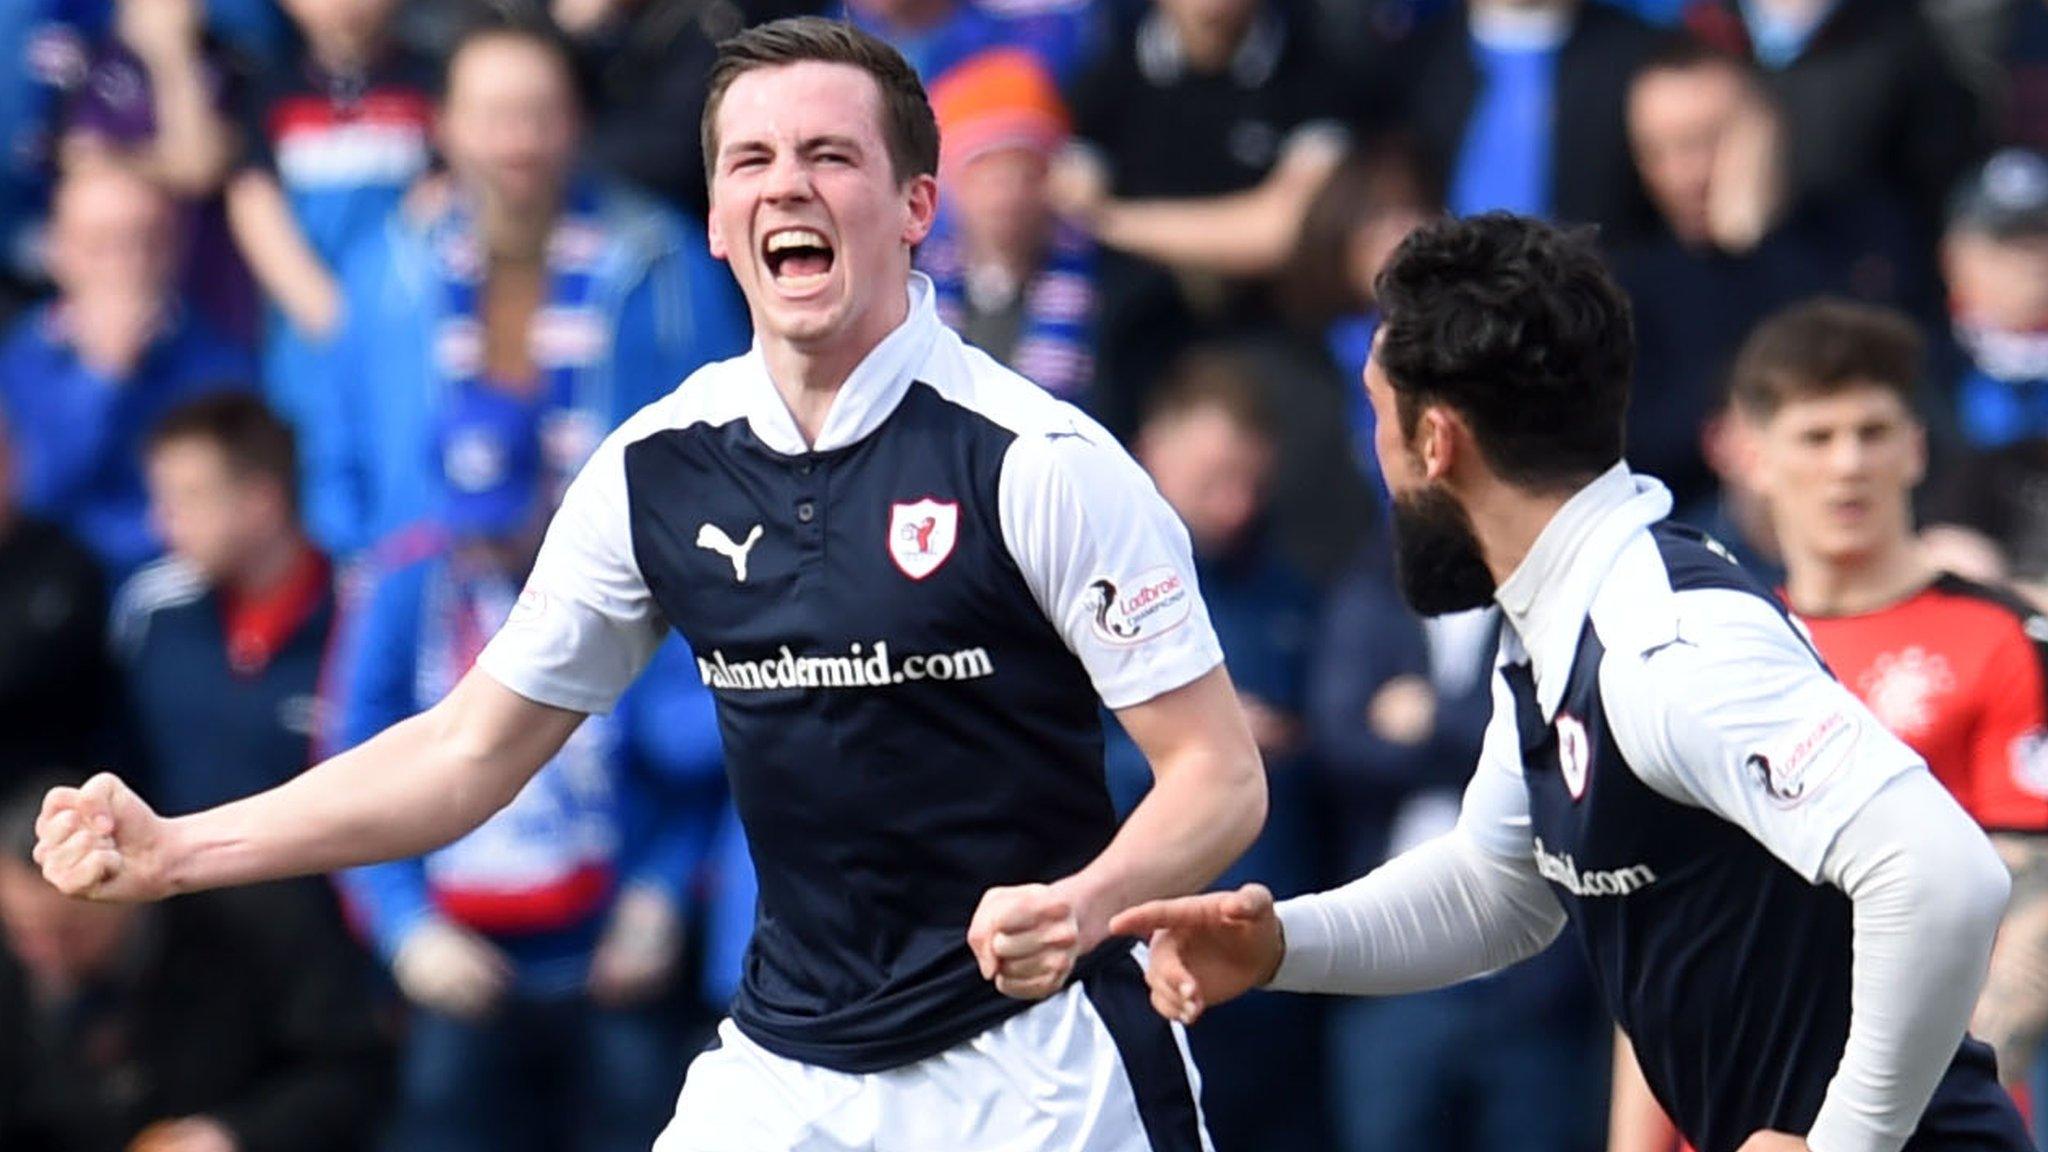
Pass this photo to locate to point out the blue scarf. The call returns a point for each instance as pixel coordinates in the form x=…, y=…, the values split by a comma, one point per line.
x=2003, y=398
x=1053, y=350
x=49, y=55
x=569, y=334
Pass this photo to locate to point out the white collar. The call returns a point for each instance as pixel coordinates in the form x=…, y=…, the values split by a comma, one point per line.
x=870, y=393
x=1547, y=596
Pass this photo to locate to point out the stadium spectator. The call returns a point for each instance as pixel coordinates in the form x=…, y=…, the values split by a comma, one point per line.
x=1208, y=442
x=45, y=48
x=1348, y=230
x=531, y=947
x=334, y=135
x=646, y=64
x=221, y=642
x=159, y=96
x=1954, y=668
x=1992, y=503
x=84, y=376
x=528, y=277
x=1707, y=141
x=56, y=698
x=1869, y=100
x=1396, y=709
x=229, y=1022
x=1194, y=101
x=1010, y=277
x=1520, y=105
x=936, y=35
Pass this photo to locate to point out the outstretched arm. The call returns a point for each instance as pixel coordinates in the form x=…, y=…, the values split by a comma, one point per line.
x=1465, y=904
x=419, y=784
x=1445, y=912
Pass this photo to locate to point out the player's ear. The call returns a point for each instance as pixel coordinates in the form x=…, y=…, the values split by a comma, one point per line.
x=712, y=234
x=1916, y=447
x=922, y=200
x=1437, y=440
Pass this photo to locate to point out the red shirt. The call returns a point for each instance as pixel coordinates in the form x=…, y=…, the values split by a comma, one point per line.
x=1956, y=670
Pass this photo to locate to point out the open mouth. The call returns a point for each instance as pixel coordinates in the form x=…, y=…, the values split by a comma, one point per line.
x=797, y=258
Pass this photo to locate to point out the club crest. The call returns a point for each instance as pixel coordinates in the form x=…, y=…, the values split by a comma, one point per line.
x=922, y=535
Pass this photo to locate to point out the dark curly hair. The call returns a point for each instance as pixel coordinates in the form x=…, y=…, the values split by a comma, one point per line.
x=1517, y=325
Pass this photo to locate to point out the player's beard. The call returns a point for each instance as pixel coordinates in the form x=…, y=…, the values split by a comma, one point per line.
x=1436, y=554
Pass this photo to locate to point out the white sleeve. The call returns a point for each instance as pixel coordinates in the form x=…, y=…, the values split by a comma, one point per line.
x=586, y=623
x=1928, y=892
x=1737, y=716
x=1465, y=904
x=1108, y=562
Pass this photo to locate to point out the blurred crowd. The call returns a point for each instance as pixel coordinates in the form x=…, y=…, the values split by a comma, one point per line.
x=312, y=307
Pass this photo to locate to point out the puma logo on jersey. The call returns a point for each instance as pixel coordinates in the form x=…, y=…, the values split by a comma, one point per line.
x=712, y=538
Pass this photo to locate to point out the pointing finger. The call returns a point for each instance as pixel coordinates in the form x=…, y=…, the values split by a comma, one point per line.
x=1186, y=912
x=1250, y=902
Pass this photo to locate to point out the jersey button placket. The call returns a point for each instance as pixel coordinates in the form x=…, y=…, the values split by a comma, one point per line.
x=808, y=507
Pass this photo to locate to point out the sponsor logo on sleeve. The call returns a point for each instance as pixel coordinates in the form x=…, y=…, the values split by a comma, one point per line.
x=1133, y=611
x=1792, y=775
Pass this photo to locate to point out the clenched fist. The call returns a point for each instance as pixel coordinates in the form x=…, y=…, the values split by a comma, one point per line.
x=101, y=842
x=1205, y=949
x=1026, y=938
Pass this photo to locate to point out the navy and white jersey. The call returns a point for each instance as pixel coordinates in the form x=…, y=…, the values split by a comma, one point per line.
x=910, y=628
x=1675, y=759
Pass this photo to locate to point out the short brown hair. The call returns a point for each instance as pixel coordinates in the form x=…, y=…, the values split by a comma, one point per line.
x=1225, y=379
x=907, y=121
x=248, y=435
x=1822, y=347
x=543, y=38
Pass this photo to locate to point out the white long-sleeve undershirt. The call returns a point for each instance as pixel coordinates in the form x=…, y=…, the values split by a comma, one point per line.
x=1927, y=892
x=1443, y=912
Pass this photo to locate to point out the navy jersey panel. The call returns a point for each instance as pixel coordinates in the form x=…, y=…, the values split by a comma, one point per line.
x=1729, y=972
x=940, y=738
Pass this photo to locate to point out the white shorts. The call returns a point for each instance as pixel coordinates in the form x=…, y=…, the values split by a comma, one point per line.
x=1091, y=1069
